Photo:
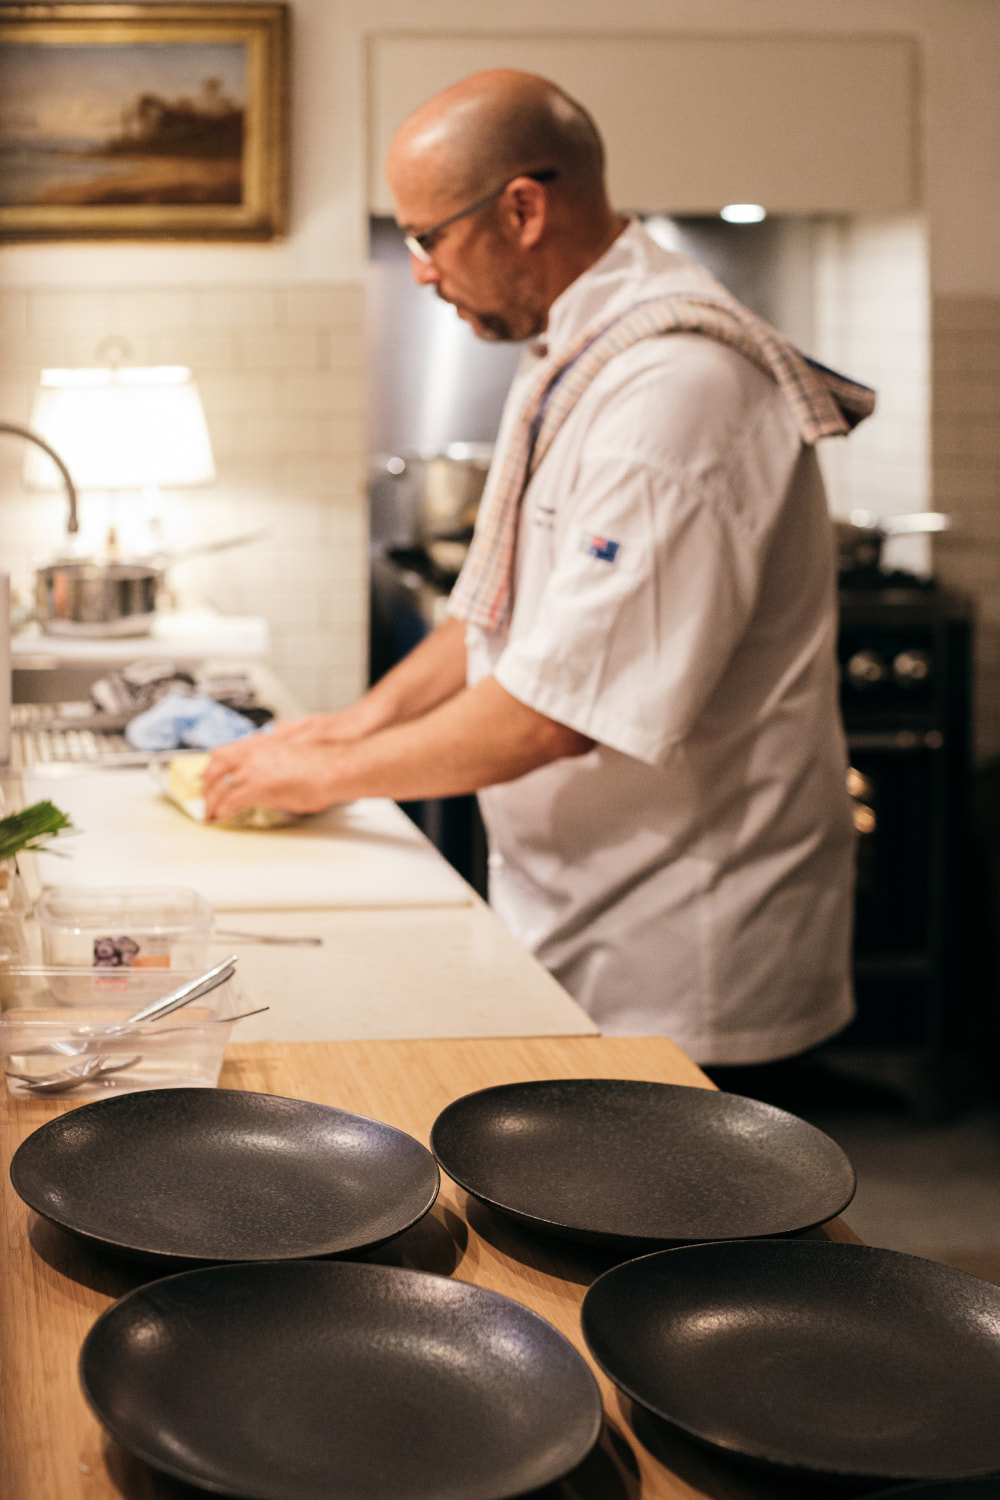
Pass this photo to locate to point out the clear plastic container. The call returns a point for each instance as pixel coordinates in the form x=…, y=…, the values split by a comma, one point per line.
x=52, y=1019
x=144, y=927
x=15, y=908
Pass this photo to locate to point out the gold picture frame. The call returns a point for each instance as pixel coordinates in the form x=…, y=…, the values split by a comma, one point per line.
x=143, y=121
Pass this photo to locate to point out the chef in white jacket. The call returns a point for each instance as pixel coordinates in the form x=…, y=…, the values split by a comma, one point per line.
x=638, y=675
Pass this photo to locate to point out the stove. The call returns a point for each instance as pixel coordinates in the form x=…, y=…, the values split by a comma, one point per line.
x=904, y=656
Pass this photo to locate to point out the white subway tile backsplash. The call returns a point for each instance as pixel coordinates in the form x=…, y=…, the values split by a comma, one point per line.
x=871, y=317
x=965, y=437
x=14, y=309
x=964, y=356
x=970, y=397
x=303, y=475
x=308, y=567
x=328, y=392
x=31, y=352
x=280, y=349
x=307, y=648
x=238, y=307
x=967, y=315
x=152, y=309
x=203, y=349
x=345, y=440
x=967, y=481
x=976, y=485
x=334, y=306
x=238, y=393
x=253, y=482
x=224, y=428
x=310, y=522
x=973, y=568
x=70, y=311
x=344, y=349
x=281, y=375
x=16, y=393
x=341, y=611
x=300, y=609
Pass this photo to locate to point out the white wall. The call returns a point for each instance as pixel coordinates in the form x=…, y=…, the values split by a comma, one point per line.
x=957, y=41
x=872, y=319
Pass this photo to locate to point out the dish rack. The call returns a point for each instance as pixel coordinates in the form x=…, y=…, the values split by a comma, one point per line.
x=50, y=734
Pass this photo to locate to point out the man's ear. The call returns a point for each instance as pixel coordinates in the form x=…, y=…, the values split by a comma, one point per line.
x=524, y=210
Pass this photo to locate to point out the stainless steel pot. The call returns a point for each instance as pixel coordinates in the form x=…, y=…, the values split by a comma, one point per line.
x=862, y=534
x=443, y=490
x=97, y=599
x=89, y=598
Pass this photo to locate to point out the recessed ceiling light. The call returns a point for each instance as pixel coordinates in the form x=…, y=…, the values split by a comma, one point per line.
x=743, y=213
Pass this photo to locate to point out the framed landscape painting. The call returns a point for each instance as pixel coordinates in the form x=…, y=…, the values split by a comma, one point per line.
x=151, y=121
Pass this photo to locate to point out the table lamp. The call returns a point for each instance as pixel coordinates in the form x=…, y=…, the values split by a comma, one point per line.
x=121, y=428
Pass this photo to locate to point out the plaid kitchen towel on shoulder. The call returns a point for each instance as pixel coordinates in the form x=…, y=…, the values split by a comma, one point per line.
x=823, y=403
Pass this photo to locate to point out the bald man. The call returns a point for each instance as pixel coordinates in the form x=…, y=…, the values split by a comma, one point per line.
x=638, y=672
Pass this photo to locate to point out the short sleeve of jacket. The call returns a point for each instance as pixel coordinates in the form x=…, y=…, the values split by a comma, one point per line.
x=668, y=480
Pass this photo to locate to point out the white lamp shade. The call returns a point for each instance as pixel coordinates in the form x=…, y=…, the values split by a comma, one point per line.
x=121, y=429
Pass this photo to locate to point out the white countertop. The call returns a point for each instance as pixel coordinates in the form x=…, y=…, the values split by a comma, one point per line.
x=394, y=974
x=362, y=854
x=408, y=949
x=187, y=635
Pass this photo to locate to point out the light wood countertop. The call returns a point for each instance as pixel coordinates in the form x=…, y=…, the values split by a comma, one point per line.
x=53, y=1287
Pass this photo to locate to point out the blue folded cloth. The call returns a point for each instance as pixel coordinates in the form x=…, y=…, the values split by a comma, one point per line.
x=180, y=720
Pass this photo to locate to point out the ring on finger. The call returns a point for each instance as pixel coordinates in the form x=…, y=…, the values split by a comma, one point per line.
x=227, y=780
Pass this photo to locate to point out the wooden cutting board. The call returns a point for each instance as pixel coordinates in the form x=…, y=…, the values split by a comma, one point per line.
x=362, y=854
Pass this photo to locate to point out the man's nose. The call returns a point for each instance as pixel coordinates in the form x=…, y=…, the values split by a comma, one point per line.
x=424, y=272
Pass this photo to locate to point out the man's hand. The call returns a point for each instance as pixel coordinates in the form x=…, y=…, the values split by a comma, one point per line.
x=432, y=673
x=265, y=771
x=328, y=729
x=286, y=768
x=477, y=738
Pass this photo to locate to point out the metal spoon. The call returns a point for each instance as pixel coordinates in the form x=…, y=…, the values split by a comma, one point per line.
x=193, y=989
x=71, y=1078
x=100, y=1066
x=218, y=1020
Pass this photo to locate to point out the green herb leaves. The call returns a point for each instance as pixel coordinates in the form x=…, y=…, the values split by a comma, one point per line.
x=32, y=828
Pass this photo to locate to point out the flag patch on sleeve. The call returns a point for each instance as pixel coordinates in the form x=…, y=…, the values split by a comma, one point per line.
x=601, y=547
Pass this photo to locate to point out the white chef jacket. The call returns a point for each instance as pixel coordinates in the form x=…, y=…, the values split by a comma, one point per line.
x=691, y=875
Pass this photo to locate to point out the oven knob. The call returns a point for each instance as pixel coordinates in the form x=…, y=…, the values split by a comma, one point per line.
x=911, y=668
x=866, y=669
x=864, y=818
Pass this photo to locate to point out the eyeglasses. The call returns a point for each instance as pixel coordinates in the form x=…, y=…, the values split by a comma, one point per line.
x=421, y=245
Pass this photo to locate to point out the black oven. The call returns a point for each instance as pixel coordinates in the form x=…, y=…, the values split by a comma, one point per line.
x=905, y=697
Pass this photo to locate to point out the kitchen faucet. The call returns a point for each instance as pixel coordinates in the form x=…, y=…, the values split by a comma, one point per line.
x=72, y=525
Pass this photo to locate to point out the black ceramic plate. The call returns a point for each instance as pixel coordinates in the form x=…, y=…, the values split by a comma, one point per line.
x=320, y=1380
x=631, y=1164
x=224, y=1175
x=827, y=1358
x=944, y=1489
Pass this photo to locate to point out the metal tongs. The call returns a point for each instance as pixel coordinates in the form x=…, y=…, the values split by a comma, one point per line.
x=99, y=1065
